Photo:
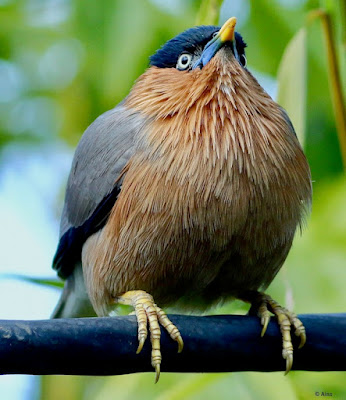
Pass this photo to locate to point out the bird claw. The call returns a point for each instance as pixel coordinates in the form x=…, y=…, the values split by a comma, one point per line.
x=263, y=313
x=170, y=328
x=157, y=375
x=299, y=329
x=302, y=340
x=147, y=312
x=289, y=363
x=286, y=320
x=264, y=322
x=140, y=345
x=180, y=344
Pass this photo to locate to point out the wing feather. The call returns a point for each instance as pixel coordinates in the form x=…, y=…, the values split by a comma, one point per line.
x=93, y=184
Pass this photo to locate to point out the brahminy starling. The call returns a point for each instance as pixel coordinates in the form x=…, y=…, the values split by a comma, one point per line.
x=188, y=193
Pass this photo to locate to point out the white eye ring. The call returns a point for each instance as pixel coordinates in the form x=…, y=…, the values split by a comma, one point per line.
x=243, y=60
x=184, y=61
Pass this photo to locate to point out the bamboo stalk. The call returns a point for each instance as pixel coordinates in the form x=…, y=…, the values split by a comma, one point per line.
x=209, y=12
x=334, y=79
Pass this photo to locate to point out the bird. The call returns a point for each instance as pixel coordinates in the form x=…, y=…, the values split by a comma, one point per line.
x=188, y=193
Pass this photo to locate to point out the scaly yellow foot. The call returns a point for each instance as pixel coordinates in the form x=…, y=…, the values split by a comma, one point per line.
x=286, y=319
x=147, y=311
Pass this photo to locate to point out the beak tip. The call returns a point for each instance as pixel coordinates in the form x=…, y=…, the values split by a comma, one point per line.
x=227, y=30
x=233, y=21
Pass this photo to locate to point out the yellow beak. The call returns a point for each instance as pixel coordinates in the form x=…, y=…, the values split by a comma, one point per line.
x=226, y=33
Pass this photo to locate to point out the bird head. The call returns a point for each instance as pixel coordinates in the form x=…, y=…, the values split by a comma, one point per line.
x=197, y=46
x=191, y=68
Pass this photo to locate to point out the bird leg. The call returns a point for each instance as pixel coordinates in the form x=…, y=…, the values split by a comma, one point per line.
x=147, y=311
x=262, y=304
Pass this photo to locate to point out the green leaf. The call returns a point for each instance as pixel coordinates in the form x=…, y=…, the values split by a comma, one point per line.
x=37, y=281
x=292, y=82
x=209, y=12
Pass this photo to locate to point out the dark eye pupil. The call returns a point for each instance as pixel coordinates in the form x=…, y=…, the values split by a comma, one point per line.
x=184, y=60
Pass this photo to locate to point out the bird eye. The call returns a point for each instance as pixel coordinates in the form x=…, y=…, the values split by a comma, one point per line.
x=214, y=34
x=184, y=61
x=243, y=60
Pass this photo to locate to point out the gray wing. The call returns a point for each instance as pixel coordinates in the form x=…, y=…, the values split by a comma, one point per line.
x=93, y=186
x=103, y=151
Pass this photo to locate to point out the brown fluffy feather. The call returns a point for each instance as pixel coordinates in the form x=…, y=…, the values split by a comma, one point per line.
x=212, y=197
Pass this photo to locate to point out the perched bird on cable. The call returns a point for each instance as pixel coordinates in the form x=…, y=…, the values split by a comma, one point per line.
x=188, y=193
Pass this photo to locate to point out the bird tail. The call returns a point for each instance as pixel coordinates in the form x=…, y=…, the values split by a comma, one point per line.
x=74, y=301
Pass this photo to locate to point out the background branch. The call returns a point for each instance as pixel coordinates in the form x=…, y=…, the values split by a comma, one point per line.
x=107, y=346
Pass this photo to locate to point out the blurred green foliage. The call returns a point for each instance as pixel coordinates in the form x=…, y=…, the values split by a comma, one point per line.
x=64, y=62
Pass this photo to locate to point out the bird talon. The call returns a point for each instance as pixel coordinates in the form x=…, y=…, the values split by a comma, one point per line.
x=140, y=345
x=263, y=313
x=289, y=363
x=180, y=344
x=148, y=313
x=265, y=322
x=170, y=328
x=157, y=375
x=302, y=336
x=286, y=321
x=300, y=332
x=300, y=329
